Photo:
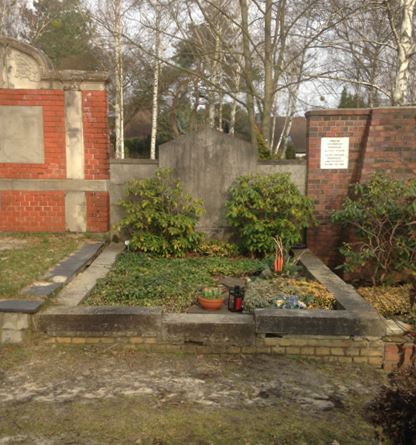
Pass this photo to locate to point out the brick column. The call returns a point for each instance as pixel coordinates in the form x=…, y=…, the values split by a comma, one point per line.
x=382, y=139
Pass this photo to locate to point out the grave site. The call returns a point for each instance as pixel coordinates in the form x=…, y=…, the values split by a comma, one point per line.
x=206, y=296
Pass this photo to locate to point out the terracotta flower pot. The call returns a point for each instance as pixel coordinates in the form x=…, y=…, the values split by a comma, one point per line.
x=211, y=305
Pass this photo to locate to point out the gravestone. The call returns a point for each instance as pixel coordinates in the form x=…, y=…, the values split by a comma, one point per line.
x=207, y=162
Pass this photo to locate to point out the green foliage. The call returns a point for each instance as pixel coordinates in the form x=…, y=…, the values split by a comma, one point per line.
x=291, y=266
x=394, y=410
x=349, y=100
x=217, y=248
x=290, y=151
x=140, y=147
x=261, y=207
x=172, y=283
x=382, y=216
x=263, y=151
x=213, y=292
x=67, y=33
x=160, y=216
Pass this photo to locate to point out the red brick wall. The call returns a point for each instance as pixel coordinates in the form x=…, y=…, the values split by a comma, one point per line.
x=96, y=135
x=380, y=139
x=52, y=102
x=23, y=211
x=27, y=211
x=98, y=211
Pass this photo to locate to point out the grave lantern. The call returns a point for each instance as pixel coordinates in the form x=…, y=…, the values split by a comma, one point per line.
x=235, y=299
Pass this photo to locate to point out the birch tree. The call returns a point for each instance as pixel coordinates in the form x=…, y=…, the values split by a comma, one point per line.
x=403, y=36
x=119, y=82
x=113, y=18
x=156, y=74
x=10, y=22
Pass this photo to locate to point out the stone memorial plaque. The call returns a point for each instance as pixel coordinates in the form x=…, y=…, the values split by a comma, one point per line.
x=21, y=134
x=334, y=153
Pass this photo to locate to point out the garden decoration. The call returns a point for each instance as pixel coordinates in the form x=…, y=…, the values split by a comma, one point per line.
x=212, y=298
x=236, y=299
x=278, y=258
x=289, y=302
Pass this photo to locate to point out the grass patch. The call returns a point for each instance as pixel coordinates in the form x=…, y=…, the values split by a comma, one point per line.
x=172, y=283
x=32, y=256
x=126, y=421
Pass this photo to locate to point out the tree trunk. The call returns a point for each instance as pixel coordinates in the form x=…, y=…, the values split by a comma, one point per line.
x=268, y=96
x=119, y=105
x=248, y=74
x=233, y=113
x=155, y=104
x=404, y=50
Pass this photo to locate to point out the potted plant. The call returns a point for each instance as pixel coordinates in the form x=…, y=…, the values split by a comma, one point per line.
x=212, y=298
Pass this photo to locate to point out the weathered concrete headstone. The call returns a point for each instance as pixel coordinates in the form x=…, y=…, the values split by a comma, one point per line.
x=207, y=162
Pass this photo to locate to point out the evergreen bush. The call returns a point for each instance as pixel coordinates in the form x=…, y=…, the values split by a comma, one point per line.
x=160, y=217
x=382, y=217
x=261, y=207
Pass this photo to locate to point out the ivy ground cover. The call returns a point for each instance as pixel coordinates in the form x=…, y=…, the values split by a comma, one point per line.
x=174, y=283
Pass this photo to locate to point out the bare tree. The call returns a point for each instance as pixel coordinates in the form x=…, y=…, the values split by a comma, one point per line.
x=156, y=75
x=403, y=37
x=119, y=81
x=10, y=21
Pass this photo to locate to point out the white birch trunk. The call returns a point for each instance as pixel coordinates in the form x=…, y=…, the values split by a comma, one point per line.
x=155, y=106
x=221, y=113
x=119, y=105
x=211, y=110
x=285, y=137
x=405, y=49
x=233, y=115
x=237, y=81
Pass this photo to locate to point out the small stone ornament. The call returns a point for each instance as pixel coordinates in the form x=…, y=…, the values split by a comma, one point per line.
x=289, y=302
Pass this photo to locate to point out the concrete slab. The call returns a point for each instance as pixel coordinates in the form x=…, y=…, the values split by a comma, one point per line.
x=42, y=290
x=22, y=306
x=78, y=289
x=72, y=265
x=306, y=322
x=101, y=321
x=230, y=329
x=344, y=293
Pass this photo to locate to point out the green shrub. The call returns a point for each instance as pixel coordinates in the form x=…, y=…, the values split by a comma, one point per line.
x=218, y=248
x=160, y=217
x=382, y=216
x=261, y=207
x=394, y=410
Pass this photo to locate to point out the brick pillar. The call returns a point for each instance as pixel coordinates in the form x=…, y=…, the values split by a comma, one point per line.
x=328, y=188
x=382, y=139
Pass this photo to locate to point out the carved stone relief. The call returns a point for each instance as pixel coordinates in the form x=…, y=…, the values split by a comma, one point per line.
x=17, y=69
x=26, y=68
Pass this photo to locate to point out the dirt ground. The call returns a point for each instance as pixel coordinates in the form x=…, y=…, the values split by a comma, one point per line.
x=53, y=395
